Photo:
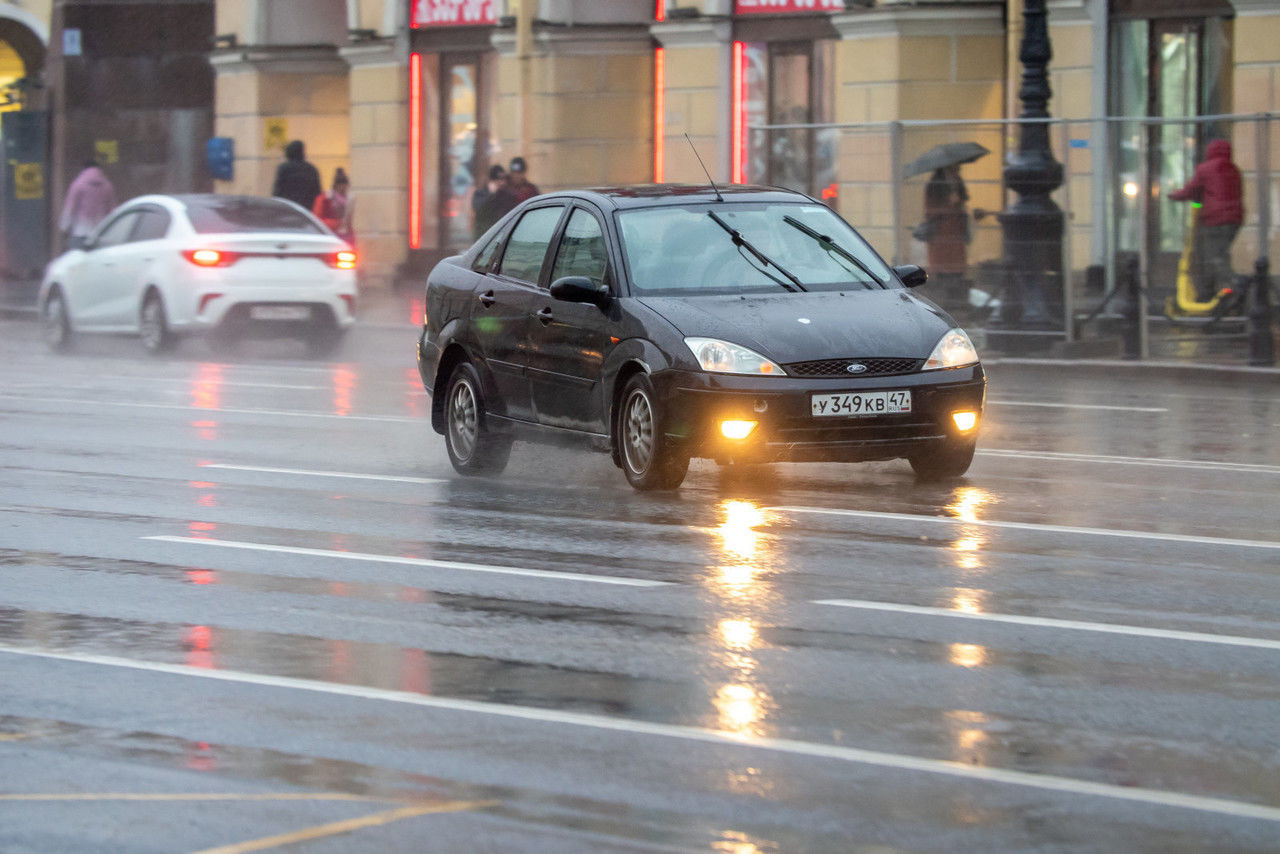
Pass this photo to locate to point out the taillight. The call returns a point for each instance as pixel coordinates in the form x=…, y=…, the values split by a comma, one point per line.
x=209, y=257
x=343, y=260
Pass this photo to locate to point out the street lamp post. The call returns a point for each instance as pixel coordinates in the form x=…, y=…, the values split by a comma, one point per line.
x=1032, y=225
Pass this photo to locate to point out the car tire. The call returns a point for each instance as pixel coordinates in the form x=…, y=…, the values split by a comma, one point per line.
x=648, y=460
x=945, y=461
x=473, y=450
x=153, y=325
x=55, y=322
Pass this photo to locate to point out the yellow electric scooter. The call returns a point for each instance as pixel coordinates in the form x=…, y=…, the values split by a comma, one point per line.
x=1183, y=303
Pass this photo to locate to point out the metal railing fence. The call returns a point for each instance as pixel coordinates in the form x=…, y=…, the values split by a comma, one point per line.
x=1118, y=176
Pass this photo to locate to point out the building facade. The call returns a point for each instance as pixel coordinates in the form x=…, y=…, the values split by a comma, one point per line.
x=416, y=98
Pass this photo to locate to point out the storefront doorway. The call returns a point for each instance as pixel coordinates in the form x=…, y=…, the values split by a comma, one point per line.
x=1172, y=70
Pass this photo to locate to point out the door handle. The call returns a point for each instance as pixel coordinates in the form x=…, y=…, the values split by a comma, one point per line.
x=544, y=315
x=487, y=299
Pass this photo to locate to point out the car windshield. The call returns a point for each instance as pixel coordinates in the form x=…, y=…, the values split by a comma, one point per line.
x=231, y=215
x=682, y=250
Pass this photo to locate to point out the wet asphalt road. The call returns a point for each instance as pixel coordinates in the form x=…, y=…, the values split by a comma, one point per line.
x=245, y=602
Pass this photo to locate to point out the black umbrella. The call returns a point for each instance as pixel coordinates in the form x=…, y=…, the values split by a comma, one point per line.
x=950, y=154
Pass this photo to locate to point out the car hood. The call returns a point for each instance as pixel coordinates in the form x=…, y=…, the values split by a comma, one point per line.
x=807, y=326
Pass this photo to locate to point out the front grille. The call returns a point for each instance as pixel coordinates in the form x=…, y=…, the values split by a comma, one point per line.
x=839, y=368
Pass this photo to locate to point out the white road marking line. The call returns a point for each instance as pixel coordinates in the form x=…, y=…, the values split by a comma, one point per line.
x=620, y=580
x=996, y=402
x=1052, y=623
x=1035, y=526
x=213, y=410
x=1060, y=456
x=343, y=474
x=895, y=761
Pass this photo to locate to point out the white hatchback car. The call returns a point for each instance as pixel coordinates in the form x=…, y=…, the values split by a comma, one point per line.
x=166, y=266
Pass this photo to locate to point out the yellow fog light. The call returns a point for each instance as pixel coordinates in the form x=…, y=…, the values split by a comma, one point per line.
x=965, y=421
x=737, y=429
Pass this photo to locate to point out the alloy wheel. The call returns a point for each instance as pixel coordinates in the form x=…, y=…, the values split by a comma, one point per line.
x=638, y=432
x=464, y=425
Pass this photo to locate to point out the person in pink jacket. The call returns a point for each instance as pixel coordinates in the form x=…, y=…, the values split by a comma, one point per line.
x=89, y=199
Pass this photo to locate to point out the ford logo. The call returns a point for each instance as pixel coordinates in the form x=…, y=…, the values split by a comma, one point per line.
x=855, y=368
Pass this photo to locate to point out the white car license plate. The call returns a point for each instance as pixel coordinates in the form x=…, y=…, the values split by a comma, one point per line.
x=280, y=312
x=861, y=403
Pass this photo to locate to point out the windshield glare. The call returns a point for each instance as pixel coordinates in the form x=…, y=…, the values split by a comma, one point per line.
x=682, y=250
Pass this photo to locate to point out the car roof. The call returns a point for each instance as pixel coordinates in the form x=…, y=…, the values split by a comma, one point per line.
x=660, y=195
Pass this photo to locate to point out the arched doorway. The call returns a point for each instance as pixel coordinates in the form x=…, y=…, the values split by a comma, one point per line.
x=23, y=46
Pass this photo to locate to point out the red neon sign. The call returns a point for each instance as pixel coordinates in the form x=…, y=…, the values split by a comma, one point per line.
x=738, y=129
x=415, y=150
x=659, y=114
x=786, y=7
x=660, y=11
x=453, y=13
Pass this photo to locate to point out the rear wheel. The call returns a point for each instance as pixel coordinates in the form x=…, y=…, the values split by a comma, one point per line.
x=57, y=326
x=154, y=325
x=950, y=459
x=648, y=460
x=472, y=449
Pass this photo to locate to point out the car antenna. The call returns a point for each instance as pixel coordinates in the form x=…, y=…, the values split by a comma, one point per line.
x=719, y=198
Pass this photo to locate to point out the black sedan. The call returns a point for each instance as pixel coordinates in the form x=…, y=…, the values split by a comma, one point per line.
x=661, y=323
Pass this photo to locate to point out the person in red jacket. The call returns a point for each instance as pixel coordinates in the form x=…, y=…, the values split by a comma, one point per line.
x=1216, y=186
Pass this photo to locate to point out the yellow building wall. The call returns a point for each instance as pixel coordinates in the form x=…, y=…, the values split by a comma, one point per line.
x=694, y=106
x=916, y=68
x=591, y=117
x=1256, y=89
x=250, y=104
x=379, y=162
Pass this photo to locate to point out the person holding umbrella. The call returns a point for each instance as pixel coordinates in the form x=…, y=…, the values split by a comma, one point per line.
x=945, y=229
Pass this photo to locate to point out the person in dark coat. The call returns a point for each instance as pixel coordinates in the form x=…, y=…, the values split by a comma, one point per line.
x=486, y=200
x=945, y=200
x=296, y=179
x=1217, y=187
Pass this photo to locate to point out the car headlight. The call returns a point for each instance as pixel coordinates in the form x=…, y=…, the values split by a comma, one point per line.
x=955, y=350
x=722, y=357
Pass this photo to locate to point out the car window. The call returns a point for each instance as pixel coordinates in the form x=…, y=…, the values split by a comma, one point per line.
x=153, y=224
x=527, y=246
x=683, y=249
x=582, y=250
x=485, y=259
x=117, y=231
x=227, y=215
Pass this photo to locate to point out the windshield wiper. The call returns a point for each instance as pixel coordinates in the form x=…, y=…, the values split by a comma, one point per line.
x=742, y=243
x=831, y=246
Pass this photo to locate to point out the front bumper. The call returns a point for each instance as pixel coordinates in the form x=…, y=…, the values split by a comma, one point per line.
x=696, y=403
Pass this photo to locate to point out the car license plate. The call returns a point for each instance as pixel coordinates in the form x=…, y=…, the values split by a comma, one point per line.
x=861, y=403
x=280, y=312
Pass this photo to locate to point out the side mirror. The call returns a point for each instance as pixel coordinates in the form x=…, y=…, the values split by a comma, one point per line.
x=580, y=289
x=911, y=275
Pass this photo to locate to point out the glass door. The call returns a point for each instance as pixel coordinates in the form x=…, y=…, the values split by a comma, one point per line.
x=464, y=144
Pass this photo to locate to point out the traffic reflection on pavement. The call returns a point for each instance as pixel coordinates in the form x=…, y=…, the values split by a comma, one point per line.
x=344, y=383
x=206, y=393
x=741, y=594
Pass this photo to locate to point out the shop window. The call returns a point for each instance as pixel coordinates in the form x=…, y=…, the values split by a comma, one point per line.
x=787, y=83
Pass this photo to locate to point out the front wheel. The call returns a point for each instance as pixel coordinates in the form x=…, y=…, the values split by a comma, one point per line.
x=947, y=460
x=56, y=323
x=472, y=449
x=648, y=460
x=154, y=325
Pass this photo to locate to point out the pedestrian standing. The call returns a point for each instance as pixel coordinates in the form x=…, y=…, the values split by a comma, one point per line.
x=1217, y=187
x=90, y=198
x=486, y=200
x=947, y=234
x=335, y=208
x=296, y=179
